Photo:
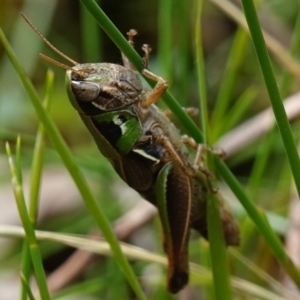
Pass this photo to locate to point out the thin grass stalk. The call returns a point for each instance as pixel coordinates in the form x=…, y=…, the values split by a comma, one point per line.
x=218, y=254
x=74, y=170
x=221, y=277
x=267, y=143
x=164, y=41
x=35, y=181
x=205, y=260
x=38, y=155
x=199, y=274
x=238, y=111
x=35, y=253
x=268, y=279
x=266, y=146
x=91, y=286
x=27, y=289
x=201, y=74
x=235, y=60
x=183, y=37
x=273, y=91
x=261, y=160
x=285, y=84
x=260, y=221
x=90, y=37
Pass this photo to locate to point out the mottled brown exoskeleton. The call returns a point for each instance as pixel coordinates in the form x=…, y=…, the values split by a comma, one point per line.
x=147, y=151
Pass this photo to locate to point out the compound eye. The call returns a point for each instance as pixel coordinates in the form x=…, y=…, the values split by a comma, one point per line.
x=85, y=91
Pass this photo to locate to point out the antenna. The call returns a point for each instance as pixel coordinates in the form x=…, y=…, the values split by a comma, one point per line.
x=59, y=64
x=48, y=43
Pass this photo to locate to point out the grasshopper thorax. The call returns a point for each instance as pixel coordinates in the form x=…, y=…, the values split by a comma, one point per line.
x=105, y=86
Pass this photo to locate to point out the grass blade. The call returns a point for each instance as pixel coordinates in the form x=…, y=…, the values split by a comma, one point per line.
x=35, y=181
x=66, y=156
x=273, y=91
x=35, y=253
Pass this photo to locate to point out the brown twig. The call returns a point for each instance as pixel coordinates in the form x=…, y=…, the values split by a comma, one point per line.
x=253, y=129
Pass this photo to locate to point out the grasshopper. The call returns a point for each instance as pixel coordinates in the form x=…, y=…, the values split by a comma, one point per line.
x=146, y=150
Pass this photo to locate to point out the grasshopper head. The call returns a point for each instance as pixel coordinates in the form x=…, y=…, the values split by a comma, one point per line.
x=97, y=86
x=104, y=86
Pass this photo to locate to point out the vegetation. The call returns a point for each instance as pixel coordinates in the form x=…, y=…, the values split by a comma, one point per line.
x=234, y=77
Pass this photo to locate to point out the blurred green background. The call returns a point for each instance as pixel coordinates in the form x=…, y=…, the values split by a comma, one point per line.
x=169, y=27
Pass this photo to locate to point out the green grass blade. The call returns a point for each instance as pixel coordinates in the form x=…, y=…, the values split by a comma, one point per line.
x=233, y=65
x=267, y=278
x=90, y=37
x=66, y=156
x=221, y=277
x=260, y=221
x=36, y=256
x=183, y=51
x=35, y=181
x=199, y=274
x=26, y=287
x=164, y=43
x=272, y=87
x=237, y=112
x=218, y=251
x=18, y=160
x=266, y=146
x=38, y=155
x=201, y=74
x=262, y=158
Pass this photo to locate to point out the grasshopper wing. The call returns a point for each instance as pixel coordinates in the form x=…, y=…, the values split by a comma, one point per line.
x=135, y=170
x=174, y=200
